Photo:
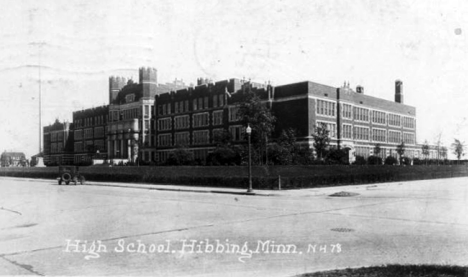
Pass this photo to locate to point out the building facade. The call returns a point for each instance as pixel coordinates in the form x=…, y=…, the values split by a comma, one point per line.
x=8, y=159
x=355, y=120
x=58, y=143
x=89, y=135
x=131, y=106
x=192, y=117
x=145, y=121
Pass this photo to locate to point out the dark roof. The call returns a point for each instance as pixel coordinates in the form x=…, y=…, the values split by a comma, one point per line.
x=13, y=154
x=130, y=88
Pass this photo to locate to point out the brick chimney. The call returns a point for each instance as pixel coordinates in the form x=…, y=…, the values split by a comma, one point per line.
x=399, y=91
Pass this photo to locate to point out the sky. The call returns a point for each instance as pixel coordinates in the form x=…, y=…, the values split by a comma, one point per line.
x=70, y=48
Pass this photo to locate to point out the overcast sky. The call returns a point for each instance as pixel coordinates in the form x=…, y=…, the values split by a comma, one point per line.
x=79, y=44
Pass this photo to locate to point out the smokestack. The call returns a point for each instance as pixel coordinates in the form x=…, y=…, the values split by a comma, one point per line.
x=360, y=89
x=399, y=91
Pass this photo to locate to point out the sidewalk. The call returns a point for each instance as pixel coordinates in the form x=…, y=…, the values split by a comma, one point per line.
x=169, y=187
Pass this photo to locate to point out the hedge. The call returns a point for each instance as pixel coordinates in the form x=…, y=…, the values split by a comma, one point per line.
x=292, y=177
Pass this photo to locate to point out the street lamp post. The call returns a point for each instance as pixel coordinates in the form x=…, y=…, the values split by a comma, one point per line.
x=249, y=132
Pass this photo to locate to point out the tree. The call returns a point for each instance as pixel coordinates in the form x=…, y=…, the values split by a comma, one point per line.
x=443, y=152
x=180, y=156
x=321, y=138
x=225, y=152
x=458, y=148
x=425, y=150
x=256, y=114
x=377, y=149
x=401, y=151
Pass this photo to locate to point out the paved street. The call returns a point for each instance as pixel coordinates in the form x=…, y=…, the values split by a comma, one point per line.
x=134, y=231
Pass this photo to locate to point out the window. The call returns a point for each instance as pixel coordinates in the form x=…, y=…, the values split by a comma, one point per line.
x=147, y=110
x=379, y=135
x=347, y=131
x=347, y=111
x=221, y=100
x=200, y=120
x=206, y=102
x=394, y=136
x=408, y=122
x=59, y=147
x=234, y=114
x=201, y=137
x=186, y=106
x=88, y=133
x=217, y=118
x=181, y=122
x=164, y=124
x=331, y=127
x=165, y=140
x=408, y=138
x=53, y=148
x=361, y=133
x=394, y=120
x=176, y=107
x=237, y=132
x=182, y=138
x=195, y=104
x=78, y=134
x=78, y=147
x=200, y=103
x=326, y=108
x=53, y=136
x=378, y=117
x=98, y=132
x=60, y=136
x=361, y=114
x=215, y=101
x=168, y=108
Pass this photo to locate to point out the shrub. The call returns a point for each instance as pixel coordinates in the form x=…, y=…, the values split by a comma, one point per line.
x=360, y=160
x=337, y=156
x=405, y=161
x=374, y=160
x=417, y=161
x=390, y=160
x=180, y=156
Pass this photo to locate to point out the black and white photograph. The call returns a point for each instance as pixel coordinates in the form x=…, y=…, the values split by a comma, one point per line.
x=234, y=138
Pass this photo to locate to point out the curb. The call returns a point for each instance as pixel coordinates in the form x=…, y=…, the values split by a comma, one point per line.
x=181, y=189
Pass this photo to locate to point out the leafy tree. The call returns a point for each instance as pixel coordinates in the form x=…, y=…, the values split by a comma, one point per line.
x=180, y=156
x=377, y=149
x=425, y=150
x=443, y=152
x=374, y=160
x=256, y=114
x=321, y=138
x=401, y=150
x=225, y=152
x=458, y=148
x=390, y=160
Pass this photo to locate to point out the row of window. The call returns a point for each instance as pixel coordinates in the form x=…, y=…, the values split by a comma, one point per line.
x=90, y=146
x=199, y=137
x=183, y=121
x=328, y=108
x=127, y=114
x=90, y=121
x=56, y=147
x=364, y=133
x=98, y=132
x=56, y=136
x=200, y=103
